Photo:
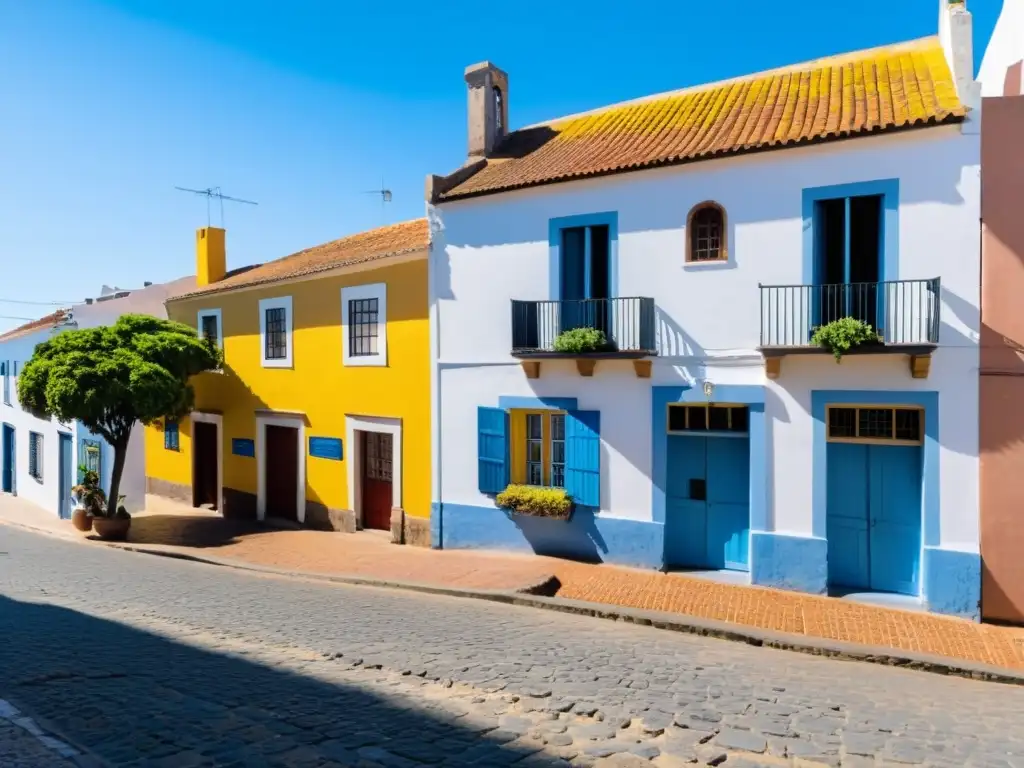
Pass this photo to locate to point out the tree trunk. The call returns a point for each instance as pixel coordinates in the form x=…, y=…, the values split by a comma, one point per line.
x=120, y=454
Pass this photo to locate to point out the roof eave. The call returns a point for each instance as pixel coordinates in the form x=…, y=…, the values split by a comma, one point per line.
x=950, y=119
x=324, y=271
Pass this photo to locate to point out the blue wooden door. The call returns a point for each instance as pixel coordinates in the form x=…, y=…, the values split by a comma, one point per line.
x=874, y=517
x=847, y=515
x=895, y=518
x=66, y=464
x=7, y=475
x=686, y=512
x=728, y=467
x=707, y=505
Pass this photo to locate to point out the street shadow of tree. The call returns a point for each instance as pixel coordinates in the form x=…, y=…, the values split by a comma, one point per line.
x=135, y=698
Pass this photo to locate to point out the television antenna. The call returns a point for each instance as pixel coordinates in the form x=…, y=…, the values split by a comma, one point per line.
x=214, y=193
x=385, y=196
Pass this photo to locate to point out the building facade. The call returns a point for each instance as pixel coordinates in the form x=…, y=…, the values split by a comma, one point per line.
x=1001, y=420
x=707, y=234
x=40, y=458
x=321, y=412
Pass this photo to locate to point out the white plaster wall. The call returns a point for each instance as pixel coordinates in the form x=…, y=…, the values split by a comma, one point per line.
x=494, y=249
x=1005, y=48
x=19, y=349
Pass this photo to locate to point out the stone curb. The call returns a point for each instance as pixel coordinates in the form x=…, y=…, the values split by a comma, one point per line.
x=533, y=597
x=47, y=735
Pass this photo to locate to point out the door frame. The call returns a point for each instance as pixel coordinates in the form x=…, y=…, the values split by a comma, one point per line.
x=289, y=421
x=217, y=420
x=65, y=471
x=10, y=456
x=354, y=469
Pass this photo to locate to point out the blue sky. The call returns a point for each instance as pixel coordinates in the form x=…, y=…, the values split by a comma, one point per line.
x=305, y=105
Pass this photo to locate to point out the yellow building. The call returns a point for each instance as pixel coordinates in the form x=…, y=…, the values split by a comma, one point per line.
x=321, y=414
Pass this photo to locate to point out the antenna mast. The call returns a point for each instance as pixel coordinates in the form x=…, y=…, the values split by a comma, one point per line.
x=211, y=193
x=385, y=198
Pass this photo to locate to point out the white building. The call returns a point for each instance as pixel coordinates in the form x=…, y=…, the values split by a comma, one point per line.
x=706, y=232
x=39, y=458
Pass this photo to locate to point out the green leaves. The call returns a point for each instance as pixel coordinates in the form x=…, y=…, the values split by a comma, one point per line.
x=537, y=502
x=112, y=376
x=580, y=340
x=842, y=335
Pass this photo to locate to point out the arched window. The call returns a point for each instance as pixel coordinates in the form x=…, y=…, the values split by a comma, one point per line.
x=499, y=113
x=706, y=233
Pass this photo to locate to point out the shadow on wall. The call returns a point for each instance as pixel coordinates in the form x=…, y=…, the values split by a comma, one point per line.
x=579, y=539
x=148, y=698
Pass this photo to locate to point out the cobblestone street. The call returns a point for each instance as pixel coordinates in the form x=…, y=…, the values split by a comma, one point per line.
x=146, y=661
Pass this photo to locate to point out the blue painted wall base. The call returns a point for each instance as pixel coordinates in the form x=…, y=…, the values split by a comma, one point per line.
x=587, y=536
x=783, y=561
x=435, y=525
x=953, y=582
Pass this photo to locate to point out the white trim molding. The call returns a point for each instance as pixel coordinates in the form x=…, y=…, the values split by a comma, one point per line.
x=215, y=313
x=290, y=421
x=378, y=291
x=285, y=303
x=354, y=464
x=218, y=421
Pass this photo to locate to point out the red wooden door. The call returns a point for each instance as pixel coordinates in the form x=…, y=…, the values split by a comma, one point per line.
x=204, y=484
x=282, y=470
x=377, y=496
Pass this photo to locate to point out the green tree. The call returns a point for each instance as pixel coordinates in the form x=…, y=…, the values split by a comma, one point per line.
x=110, y=377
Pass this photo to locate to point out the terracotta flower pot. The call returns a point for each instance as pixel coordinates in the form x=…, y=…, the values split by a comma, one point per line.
x=112, y=528
x=81, y=519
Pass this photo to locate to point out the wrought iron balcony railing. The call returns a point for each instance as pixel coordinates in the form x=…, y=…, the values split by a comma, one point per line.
x=627, y=323
x=905, y=313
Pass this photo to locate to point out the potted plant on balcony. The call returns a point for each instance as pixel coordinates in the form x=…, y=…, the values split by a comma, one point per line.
x=552, y=503
x=842, y=335
x=89, y=499
x=581, y=341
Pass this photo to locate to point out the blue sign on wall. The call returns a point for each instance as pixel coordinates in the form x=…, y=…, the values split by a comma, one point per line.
x=325, y=448
x=243, y=446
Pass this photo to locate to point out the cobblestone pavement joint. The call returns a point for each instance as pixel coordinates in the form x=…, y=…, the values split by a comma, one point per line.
x=157, y=662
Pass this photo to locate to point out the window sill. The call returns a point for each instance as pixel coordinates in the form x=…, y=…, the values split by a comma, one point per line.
x=275, y=363
x=709, y=264
x=365, y=361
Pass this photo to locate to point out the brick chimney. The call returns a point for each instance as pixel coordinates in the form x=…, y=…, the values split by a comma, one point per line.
x=211, y=257
x=488, y=108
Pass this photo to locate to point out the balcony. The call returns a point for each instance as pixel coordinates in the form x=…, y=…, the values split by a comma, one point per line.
x=627, y=323
x=905, y=313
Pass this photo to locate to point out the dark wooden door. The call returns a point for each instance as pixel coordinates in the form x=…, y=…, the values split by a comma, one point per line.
x=282, y=472
x=377, y=466
x=204, y=486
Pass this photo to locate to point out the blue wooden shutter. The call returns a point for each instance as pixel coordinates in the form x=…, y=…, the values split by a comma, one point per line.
x=583, y=457
x=492, y=449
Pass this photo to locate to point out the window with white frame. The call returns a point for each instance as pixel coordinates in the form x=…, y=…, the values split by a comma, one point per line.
x=364, y=324
x=276, y=332
x=209, y=326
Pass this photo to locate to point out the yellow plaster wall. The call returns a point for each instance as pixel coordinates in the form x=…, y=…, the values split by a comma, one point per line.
x=317, y=384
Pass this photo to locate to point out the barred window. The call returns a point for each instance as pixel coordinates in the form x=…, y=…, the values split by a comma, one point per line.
x=875, y=424
x=706, y=230
x=171, y=435
x=35, y=455
x=209, y=330
x=363, y=327
x=276, y=334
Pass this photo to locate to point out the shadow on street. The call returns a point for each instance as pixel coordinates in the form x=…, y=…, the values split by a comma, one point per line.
x=136, y=698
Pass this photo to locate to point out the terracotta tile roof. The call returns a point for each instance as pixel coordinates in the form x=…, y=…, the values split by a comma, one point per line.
x=374, y=244
x=48, y=321
x=881, y=89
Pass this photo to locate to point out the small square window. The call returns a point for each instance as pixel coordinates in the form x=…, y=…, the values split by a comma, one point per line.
x=718, y=419
x=908, y=424
x=842, y=422
x=875, y=422
x=739, y=419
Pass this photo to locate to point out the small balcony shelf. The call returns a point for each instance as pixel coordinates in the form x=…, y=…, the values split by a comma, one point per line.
x=627, y=323
x=905, y=313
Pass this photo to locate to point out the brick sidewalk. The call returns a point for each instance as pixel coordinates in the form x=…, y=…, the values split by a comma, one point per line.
x=172, y=526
